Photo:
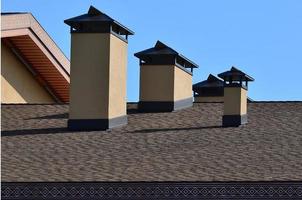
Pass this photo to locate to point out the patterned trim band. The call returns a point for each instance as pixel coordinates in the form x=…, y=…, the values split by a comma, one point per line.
x=151, y=190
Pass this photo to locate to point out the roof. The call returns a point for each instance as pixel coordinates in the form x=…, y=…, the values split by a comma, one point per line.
x=185, y=145
x=97, y=19
x=212, y=81
x=162, y=50
x=235, y=75
x=13, y=13
x=23, y=34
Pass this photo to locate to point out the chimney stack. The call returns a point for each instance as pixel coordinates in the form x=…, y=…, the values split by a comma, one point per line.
x=210, y=90
x=235, y=97
x=98, y=71
x=165, y=81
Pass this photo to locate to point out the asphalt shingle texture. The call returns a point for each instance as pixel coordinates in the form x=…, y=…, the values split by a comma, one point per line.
x=186, y=145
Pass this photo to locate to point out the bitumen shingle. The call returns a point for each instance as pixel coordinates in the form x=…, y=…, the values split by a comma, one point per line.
x=185, y=145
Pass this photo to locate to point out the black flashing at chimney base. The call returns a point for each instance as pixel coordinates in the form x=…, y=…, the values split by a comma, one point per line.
x=164, y=106
x=233, y=120
x=96, y=124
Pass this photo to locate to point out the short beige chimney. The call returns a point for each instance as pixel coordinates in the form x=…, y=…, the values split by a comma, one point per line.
x=235, y=97
x=98, y=72
x=165, y=81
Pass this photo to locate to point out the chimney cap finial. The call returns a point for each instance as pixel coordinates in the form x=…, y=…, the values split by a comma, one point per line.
x=93, y=11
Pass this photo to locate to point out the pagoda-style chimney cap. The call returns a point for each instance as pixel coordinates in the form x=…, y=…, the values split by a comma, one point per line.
x=235, y=78
x=212, y=87
x=235, y=75
x=161, y=54
x=96, y=22
x=212, y=81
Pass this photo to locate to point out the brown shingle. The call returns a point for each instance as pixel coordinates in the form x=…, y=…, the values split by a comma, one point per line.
x=186, y=145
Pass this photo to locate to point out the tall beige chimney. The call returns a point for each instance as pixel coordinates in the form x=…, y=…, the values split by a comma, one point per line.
x=165, y=81
x=235, y=97
x=98, y=72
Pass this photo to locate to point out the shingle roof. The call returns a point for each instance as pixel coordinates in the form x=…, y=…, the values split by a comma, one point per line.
x=186, y=145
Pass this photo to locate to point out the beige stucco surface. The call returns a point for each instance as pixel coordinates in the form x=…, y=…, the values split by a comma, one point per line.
x=164, y=83
x=89, y=86
x=18, y=85
x=98, y=76
x=117, y=77
x=208, y=99
x=182, y=84
x=157, y=82
x=235, y=101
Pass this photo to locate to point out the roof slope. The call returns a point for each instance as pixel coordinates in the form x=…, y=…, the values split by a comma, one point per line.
x=186, y=145
x=23, y=34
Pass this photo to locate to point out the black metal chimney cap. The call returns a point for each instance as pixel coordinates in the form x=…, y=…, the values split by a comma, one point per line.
x=212, y=81
x=212, y=87
x=161, y=54
x=96, y=22
x=235, y=75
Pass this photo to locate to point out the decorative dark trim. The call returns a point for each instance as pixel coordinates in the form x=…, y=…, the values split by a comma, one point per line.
x=164, y=106
x=96, y=124
x=150, y=190
x=234, y=120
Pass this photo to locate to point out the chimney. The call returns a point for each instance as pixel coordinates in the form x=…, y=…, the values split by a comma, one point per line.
x=235, y=97
x=98, y=71
x=165, y=81
x=210, y=90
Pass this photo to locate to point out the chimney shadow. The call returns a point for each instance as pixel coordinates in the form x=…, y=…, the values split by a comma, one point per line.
x=10, y=133
x=176, y=129
x=56, y=116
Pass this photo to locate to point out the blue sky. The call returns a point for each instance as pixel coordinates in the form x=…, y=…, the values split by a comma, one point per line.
x=261, y=37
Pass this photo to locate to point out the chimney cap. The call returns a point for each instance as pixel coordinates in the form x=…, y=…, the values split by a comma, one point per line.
x=212, y=81
x=96, y=21
x=163, y=54
x=235, y=74
x=212, y=87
